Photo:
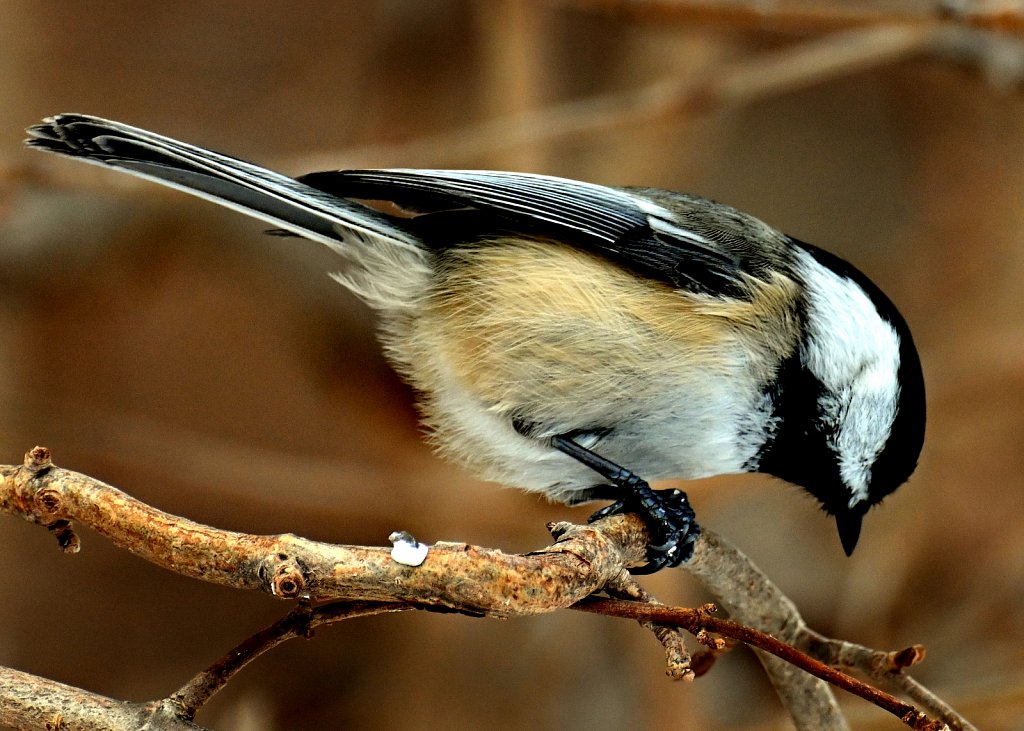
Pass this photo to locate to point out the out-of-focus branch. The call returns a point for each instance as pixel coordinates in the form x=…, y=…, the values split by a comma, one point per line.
x=861, y=35
x=450, y=577
x=735, y=83
x=752, y=598
x=791, y=16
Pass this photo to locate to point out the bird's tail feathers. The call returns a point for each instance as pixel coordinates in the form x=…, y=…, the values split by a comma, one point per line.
x=385, y=258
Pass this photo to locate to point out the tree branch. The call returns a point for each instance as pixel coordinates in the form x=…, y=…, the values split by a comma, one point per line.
x=583, y=560
x=32, y=703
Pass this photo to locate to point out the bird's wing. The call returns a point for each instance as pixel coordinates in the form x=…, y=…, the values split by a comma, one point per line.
x=626, y=227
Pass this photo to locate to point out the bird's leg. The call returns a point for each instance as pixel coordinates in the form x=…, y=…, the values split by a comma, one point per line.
x=667, y=513
x=597, y=492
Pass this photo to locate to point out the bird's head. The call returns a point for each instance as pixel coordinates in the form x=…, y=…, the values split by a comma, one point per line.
x=850, y=401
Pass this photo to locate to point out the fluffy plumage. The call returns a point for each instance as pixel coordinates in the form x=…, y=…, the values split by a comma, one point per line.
x=558, y=329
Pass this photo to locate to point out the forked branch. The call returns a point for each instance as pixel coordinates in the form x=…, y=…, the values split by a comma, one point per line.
x=341, y=582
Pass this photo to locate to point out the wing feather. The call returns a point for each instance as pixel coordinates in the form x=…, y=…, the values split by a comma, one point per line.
x=631, y=230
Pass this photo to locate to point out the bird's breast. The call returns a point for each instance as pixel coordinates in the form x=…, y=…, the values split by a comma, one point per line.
x=565, y=341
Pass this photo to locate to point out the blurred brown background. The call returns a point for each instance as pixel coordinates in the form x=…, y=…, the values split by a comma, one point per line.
x=170, y=348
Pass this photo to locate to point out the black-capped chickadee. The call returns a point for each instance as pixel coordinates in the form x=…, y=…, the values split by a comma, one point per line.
x=568, y=338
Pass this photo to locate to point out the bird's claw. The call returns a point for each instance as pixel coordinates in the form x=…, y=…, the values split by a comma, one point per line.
x=670, y=521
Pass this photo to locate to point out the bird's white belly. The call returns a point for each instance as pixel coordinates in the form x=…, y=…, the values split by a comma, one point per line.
x=568, y=342
x=686, y=434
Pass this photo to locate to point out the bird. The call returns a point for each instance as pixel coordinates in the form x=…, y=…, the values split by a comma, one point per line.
x=580, y=340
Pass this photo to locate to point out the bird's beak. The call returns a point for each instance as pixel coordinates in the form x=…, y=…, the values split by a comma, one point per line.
x=848, y=522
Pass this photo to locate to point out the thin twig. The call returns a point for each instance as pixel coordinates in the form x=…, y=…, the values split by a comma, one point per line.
x=886, y=670
x=300, y=622
x=697, y=621
x=679, y=663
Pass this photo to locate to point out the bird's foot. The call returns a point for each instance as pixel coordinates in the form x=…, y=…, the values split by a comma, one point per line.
x=670, y=520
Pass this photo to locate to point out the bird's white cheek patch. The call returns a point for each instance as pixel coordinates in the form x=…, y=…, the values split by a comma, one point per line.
x=855, y=354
